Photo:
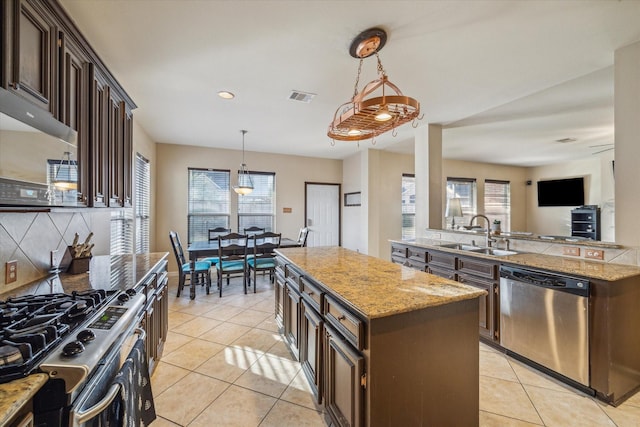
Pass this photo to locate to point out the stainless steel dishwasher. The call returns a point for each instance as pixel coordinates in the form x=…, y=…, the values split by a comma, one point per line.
x=545, y=318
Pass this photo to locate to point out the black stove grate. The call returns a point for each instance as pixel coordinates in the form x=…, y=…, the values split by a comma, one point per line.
x=32, y=326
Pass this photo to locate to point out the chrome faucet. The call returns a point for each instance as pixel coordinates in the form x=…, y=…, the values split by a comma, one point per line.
x=488, y=238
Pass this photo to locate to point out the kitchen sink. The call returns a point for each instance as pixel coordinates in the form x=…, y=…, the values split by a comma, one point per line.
x=478, y=249
x=492, y=251
x=461, y=247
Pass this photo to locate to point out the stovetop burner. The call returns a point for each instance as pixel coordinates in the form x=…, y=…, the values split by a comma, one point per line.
x=31, y=326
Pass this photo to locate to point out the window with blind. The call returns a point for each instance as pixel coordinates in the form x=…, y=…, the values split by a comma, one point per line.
x=465, y=190
x=121, y=232
x=258, y=208
x=62, y=177
x=209, y=202
x=408, y=206
x=497, y=202
x=142, y=205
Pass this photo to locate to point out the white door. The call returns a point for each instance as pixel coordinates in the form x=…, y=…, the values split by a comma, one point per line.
x=323, y=214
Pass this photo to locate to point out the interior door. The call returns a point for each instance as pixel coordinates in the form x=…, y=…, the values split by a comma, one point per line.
x=322, y=213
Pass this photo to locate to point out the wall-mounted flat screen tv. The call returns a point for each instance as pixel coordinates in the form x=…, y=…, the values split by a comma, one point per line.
x=561, y=192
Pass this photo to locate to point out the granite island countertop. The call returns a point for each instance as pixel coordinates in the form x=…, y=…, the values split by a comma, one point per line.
x=15, y=394
x=579, y=267
x=375, y=287
x=108, y=272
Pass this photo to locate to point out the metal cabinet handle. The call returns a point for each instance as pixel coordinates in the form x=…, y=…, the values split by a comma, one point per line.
x=343, y=317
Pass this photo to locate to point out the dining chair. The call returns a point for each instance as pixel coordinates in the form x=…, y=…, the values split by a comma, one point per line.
x=263, y=258
x=250, y=231
x=232, y=258
x=213, y=236
x=302, y=237
x=196, y=271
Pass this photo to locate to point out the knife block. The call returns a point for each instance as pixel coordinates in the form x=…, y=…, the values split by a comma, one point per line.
x=76, y=265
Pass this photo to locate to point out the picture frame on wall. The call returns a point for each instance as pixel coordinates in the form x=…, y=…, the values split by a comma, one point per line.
x=352, y=199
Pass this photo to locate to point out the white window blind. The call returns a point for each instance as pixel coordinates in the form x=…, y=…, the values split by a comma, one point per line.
x=142, y=206
x=258, y=208
x=465, y=190
x=121, y=231
x=208, y=203
x=497, y=202
x=408, y=206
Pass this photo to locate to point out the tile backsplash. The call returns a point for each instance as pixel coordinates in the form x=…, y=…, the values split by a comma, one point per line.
x=29, y=238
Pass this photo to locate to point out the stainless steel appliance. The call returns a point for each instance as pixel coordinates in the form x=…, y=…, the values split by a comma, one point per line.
x=79, y=340
x=544, y=317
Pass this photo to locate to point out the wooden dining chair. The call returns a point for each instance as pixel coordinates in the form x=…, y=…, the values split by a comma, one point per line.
x=213, y=236
x=302, y=237
x=250, y=231
x=196, y=271
x=263, y=257
x=232, y=258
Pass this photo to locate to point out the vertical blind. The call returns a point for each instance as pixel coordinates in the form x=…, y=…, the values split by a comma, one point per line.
x=258, y=208
x=208, y=202
x=142, y=205
x=497, y=202
x=408, y=206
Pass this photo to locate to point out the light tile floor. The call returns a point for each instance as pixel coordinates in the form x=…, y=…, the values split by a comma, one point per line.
x=225, y=364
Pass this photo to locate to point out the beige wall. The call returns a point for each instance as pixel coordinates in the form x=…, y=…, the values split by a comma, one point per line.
x=291, y=172
x=516, y=176
x=598, y=191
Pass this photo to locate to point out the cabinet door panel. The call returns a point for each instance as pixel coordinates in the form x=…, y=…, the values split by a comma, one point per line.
x=487, y=317
x=344, y=372
x=292, y=319
x=311, y=348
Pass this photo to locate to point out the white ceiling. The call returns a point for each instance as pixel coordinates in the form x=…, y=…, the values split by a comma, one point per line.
x=505, y=78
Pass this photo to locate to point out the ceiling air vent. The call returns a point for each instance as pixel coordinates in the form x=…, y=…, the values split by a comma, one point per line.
x=565, y=140
x=300, y=96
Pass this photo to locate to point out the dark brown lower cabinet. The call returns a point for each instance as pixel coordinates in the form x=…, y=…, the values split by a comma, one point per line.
x=344, y=391
x=487, y=314
x=311, y=339
x=279, y=285
x=292, y=318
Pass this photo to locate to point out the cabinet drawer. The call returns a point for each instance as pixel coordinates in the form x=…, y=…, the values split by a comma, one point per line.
x=311, y=293
x=344, y=321
x=398, y=260
x=292, y=274
x=442, y=259
x=417, y=254
x=478, y=267
x=418, y=265
x=442, y=272
x=398, y=251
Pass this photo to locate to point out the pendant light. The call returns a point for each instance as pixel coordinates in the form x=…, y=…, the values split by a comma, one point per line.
x=66, y=177
x=245, y=184
x=365, y=116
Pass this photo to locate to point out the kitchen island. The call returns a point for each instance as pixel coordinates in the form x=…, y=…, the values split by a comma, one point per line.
x=380, y=344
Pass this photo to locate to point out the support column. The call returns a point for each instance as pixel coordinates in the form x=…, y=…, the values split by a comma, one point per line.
x=627, y=144
x=429, y=185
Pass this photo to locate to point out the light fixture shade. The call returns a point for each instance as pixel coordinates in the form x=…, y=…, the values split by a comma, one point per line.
x=454, y=208
x=66, y=176
x=245, y=183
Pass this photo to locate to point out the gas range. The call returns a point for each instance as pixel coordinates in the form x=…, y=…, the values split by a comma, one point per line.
x=40, y=331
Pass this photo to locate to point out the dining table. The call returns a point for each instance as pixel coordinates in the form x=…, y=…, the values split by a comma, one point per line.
x=206, y=248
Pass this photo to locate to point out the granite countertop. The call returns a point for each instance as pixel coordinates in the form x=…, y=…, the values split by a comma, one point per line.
x=578, y=267
x=116, y=272
x=375, y=287
x=15, y=394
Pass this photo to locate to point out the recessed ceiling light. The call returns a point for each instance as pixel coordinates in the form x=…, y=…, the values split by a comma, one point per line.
x=226, y=94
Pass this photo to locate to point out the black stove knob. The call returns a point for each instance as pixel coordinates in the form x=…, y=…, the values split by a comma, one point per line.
x=86, y=335
x=72, y=349
x=131, y=292
x=123, y=298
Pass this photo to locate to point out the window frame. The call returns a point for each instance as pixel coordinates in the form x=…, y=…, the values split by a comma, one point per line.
x=469, y=202
x=272, y=216
x=491, y=213
x=408, y=232
x=142, y=202
x=192, y=232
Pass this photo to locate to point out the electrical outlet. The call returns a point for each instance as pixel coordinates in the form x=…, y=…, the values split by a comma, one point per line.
x=569, y=250
x=11, y=271
x=594, y=254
